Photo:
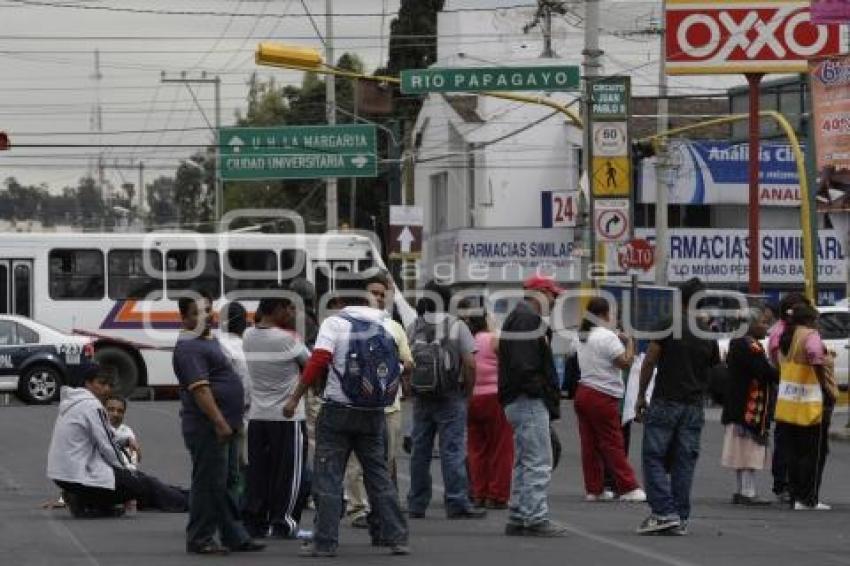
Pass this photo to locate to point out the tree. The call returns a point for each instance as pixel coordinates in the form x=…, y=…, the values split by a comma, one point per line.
x=413, y=45
x=161, y=203
x=194, y=192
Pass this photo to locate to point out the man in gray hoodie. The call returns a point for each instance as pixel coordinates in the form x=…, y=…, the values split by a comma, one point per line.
x=85, y=463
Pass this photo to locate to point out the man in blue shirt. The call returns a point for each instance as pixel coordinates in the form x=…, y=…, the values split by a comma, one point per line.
x=212, y=405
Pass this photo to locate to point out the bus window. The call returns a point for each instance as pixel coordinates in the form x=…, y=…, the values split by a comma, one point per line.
x=4, y=288
x=23, y=288
x=242, y=262
x=76, y=274
x=293, y=264
x=188, y=270
x=128, y=278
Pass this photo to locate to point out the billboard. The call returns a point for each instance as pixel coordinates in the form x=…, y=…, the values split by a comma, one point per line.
x=716, y=172
x=830, y=83
x=728, y=36
x=830, y=11
x=722, y=256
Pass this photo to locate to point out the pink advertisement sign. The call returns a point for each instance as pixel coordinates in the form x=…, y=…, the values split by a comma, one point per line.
x=830, y=11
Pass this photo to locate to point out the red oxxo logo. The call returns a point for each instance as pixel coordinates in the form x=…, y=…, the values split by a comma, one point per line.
x=734, y=37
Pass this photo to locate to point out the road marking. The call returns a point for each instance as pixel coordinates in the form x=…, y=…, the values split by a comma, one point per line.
x=633, y=548
x=59, y=528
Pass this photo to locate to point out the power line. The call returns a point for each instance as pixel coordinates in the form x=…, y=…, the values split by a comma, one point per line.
x=161, y=12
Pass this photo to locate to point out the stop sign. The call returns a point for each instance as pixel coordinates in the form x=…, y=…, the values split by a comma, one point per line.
x=636, y=254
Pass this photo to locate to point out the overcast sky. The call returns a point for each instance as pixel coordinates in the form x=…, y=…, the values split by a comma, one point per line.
x=47, y=89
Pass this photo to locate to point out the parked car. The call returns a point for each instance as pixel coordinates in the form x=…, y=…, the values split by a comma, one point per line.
x=35, y=359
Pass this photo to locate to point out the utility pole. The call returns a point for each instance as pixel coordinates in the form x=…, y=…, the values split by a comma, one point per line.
x=591, y=66
x=216, y=82
x=352, y=214
x=663, y=124
x=97, y=127
x=331, y=198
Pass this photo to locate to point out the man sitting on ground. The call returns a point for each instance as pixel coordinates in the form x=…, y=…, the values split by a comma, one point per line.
x=85, y=462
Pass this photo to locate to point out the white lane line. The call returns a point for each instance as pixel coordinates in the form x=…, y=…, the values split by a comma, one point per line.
x=60, y=529
x=632, y=548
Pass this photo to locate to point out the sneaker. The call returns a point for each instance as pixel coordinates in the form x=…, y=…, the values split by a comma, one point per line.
x=310, y=551
x=545, y=529
x=819, y=507
x=680, y=531
x=634, y=496
x=399, y=550
x=471, y=513
x=605, y=496
x=753, y=501
x=360, y=522
x=655, y=524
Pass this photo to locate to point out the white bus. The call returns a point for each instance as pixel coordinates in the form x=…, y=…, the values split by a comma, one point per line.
x=112, y=287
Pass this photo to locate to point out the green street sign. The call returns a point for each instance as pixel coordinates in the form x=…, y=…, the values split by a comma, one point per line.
x=297, y=152
x=610, y=96
x=421, y=81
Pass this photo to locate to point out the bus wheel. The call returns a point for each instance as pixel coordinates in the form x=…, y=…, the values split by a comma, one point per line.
x=39, y=384
x=119, y=363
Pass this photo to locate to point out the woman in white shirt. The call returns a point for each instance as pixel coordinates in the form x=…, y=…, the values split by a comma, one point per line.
x=602, y=357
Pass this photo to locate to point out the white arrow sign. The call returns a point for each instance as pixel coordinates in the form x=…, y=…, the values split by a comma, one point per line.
x=236, y=143
x=406, y=238
x=359, y=161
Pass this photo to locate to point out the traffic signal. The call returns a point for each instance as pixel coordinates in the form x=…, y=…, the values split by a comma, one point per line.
x=4, y=141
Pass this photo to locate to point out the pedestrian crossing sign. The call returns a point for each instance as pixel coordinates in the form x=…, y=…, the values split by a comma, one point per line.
x=612, y=177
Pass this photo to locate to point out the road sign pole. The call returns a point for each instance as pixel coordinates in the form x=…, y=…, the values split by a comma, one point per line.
x=755, y=243
x=591, y=70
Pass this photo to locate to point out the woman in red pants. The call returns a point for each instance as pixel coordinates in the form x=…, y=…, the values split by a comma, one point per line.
x=602, y=356
x=490, y=448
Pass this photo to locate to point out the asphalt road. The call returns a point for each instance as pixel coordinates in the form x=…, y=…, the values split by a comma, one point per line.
x=600, y=533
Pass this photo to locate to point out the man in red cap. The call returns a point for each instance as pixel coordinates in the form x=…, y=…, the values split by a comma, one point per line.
x=530, y=396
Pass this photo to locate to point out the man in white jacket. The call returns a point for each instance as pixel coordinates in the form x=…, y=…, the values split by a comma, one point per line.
x=85, y=463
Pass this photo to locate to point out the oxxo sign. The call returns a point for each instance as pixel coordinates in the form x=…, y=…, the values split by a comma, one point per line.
x=725, y=37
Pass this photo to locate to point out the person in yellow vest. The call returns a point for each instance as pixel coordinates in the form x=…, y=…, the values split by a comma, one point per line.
x=804, y=404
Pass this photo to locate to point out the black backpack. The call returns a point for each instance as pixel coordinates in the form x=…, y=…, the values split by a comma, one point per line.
x=436, y=358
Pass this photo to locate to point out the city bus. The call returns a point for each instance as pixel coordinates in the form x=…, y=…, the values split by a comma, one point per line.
x=121, y=289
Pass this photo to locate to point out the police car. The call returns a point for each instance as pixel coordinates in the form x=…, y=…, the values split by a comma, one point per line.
x=36, y=359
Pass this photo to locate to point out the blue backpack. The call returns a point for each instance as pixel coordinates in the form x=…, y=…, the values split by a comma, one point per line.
x=372, y=365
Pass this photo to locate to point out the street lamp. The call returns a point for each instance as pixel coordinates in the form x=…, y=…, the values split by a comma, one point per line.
x=291, y=56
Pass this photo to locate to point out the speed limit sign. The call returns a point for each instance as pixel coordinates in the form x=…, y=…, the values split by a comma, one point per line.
x=610, y=139
x=560, y=209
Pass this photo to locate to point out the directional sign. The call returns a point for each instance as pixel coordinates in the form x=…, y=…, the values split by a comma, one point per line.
x=610, y=96
x=297, y=152
x=405, y=231
x=611, y=220
x=422, y=81
x=612, y=177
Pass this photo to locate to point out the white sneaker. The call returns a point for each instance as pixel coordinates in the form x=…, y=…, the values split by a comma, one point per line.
x=606, y=495
x=634, y=496
x=819, y=507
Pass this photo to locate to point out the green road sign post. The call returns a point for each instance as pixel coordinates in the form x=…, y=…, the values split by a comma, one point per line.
x=298, y=152
x=493, y=79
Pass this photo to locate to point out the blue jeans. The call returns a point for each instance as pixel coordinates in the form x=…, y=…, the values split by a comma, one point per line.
x=446, y=417
x=213, y=498
x=339, y=432
x=671, y=442
x=532, y=461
